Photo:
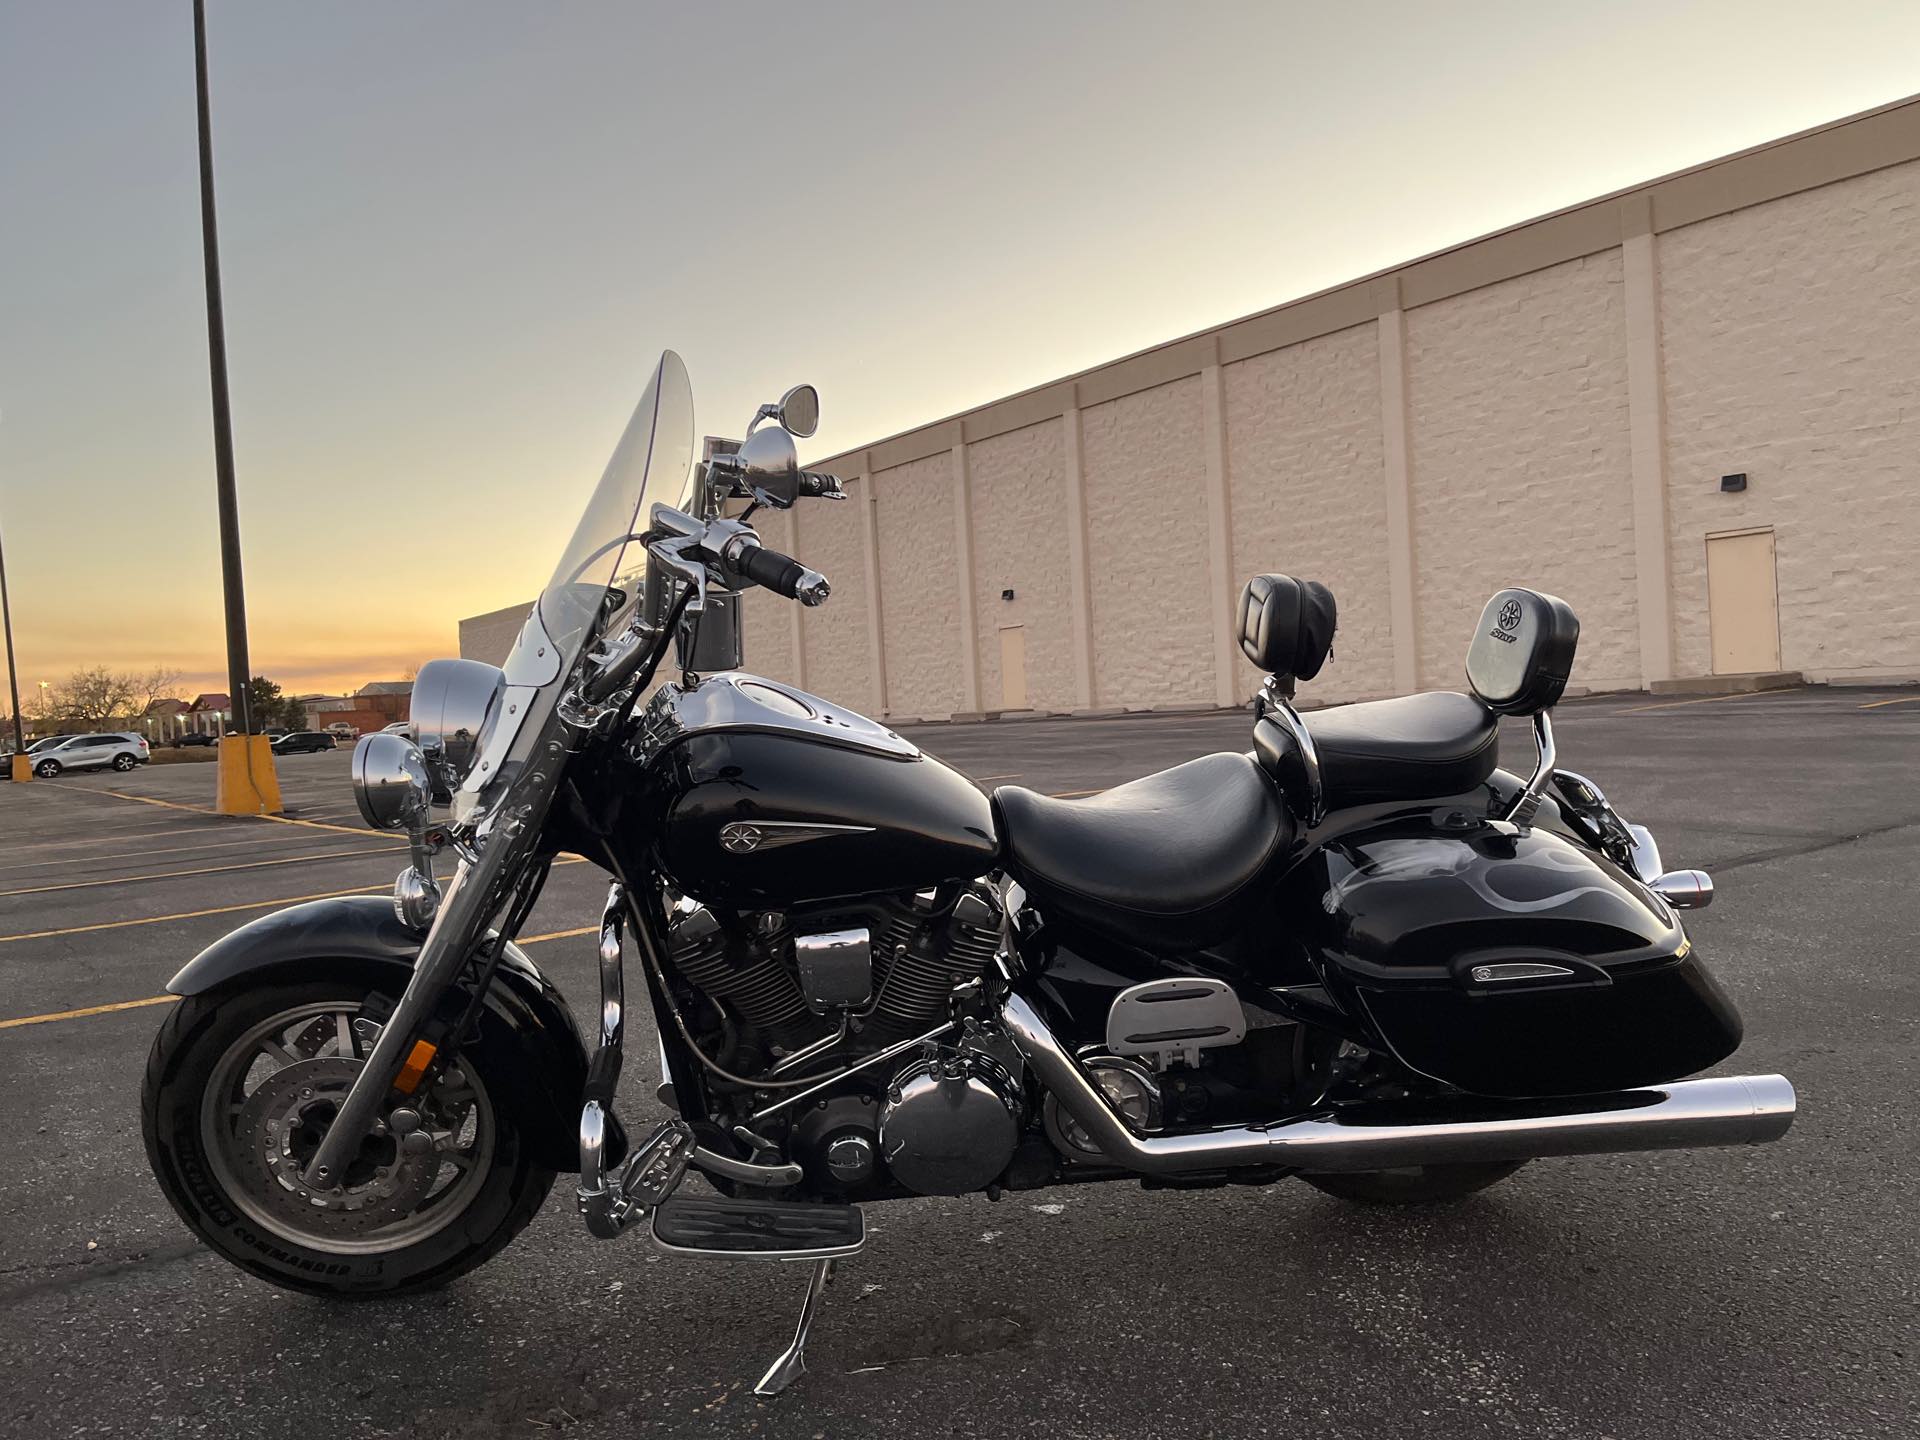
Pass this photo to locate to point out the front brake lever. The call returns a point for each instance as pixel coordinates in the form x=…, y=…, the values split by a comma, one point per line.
x=673, y=555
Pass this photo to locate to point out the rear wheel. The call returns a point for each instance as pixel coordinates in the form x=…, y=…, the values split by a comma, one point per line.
x=47, y=769
x=123, y=761
x=241, y=1085
x=1414, y=1184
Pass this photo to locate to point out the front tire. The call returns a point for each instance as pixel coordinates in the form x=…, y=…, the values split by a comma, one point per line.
x=224, y=1138
x=47, y=769
x=1414, y=1184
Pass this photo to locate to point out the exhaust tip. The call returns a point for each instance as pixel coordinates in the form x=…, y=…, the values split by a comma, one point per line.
x=1774, y=1106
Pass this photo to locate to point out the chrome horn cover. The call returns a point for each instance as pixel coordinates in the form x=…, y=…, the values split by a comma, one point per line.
x=391, y=783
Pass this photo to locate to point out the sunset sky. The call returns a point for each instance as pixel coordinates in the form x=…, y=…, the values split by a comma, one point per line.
x=456, y=236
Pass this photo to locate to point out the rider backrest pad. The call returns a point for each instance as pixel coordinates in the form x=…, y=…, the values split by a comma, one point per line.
x=1286, y=625
x=1522, y=653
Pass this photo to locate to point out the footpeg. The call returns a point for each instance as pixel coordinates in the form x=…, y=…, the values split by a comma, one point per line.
x=647, y=1177
x=757, y=1229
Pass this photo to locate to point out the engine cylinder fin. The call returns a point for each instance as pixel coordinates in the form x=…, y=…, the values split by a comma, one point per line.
x=752, y=979
x=924, y=963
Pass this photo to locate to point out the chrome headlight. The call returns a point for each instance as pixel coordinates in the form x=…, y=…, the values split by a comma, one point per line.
x=452, y=702
x=390, y=782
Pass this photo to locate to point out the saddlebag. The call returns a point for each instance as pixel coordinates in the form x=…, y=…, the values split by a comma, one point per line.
x=1510, y=963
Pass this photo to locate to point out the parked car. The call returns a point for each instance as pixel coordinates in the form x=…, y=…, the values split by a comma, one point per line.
x=399, y=727
x=340, y=730
x=193, y=738
x=90, y=752
x=46, y=742
x=301, y=742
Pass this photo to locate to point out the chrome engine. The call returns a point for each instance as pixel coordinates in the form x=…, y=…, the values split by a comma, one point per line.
x=798, y=996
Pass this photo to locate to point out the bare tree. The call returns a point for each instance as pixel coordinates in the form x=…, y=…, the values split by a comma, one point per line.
x=95, y=694
x=159, y=683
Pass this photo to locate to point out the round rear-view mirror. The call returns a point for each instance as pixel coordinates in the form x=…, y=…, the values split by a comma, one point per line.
x=800, y=410
x=770, y=467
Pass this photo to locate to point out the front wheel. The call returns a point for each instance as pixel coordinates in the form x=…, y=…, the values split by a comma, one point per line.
x=240, y=1087
x=47, y=769
x=1414, y=1184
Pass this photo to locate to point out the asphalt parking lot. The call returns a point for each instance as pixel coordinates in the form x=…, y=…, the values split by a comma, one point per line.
x=1766, y=1292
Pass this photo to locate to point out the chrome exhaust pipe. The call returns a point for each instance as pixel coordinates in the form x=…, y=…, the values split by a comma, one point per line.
x=1738, y=1110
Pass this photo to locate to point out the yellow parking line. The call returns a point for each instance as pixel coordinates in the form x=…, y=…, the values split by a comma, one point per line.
x=190, y=914
x=110, y=836
x=361, y=831
x=87, y=1010
x=1897, y=700
x=1702, y=700
x=253, y=843
x=149, y=800
x=203, y=870
x=222, y=910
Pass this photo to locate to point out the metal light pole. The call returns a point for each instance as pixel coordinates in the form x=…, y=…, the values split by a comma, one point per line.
x=19, y=768
x=242, y=787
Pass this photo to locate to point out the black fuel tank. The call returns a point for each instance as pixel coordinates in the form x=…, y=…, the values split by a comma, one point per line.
x=1510, y=963
x=762, y=796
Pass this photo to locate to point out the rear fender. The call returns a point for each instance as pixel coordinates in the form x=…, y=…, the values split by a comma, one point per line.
x=527, y=1023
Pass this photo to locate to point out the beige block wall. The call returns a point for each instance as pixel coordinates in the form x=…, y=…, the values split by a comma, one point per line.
x=1019, y=523
x=766, y=619
x=490, y=637
x=1145, y=474
x=1791, y=343
x=1521, y=474
x=1775, y=332
x=1307, y=494
x=920, y=586
x=828, y=539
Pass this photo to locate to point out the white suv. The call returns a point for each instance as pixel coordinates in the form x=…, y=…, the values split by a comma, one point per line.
x=90, y=752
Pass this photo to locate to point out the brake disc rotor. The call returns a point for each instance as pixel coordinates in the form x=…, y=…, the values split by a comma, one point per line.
x=280, y=1126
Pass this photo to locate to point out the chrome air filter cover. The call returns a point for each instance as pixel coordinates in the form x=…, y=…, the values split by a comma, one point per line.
x=1127, y=1086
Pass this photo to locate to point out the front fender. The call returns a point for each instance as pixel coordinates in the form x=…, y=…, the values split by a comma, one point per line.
x=527, y=1017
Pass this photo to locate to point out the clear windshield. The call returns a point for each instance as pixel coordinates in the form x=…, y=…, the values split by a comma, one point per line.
x=653, y=462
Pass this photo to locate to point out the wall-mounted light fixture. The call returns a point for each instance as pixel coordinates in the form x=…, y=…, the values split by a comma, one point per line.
x=1006, y=594
x=1732, y=484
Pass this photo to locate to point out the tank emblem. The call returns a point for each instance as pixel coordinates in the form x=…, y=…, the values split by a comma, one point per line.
x=740, y=838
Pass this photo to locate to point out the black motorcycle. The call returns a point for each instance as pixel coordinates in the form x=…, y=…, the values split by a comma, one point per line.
x=1359, y=953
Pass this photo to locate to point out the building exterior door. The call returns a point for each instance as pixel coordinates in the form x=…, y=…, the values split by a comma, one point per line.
x=1743, y=606
x=1013, y=667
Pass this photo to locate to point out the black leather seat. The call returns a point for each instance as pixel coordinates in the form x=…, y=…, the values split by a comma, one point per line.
x=1440, y=743
x=1162, y=862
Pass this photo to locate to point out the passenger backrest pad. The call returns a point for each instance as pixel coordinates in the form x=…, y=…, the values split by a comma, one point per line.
x=1522, y=653
x=1286, y=625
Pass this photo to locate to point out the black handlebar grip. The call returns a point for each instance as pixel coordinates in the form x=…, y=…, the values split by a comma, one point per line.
x=770, y=569
x=818, y=484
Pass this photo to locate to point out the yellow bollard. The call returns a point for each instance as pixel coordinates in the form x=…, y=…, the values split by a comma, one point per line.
x=22, y=769
x=248, y=783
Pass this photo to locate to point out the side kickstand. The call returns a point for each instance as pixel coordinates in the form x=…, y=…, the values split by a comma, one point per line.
x=792, y=1363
